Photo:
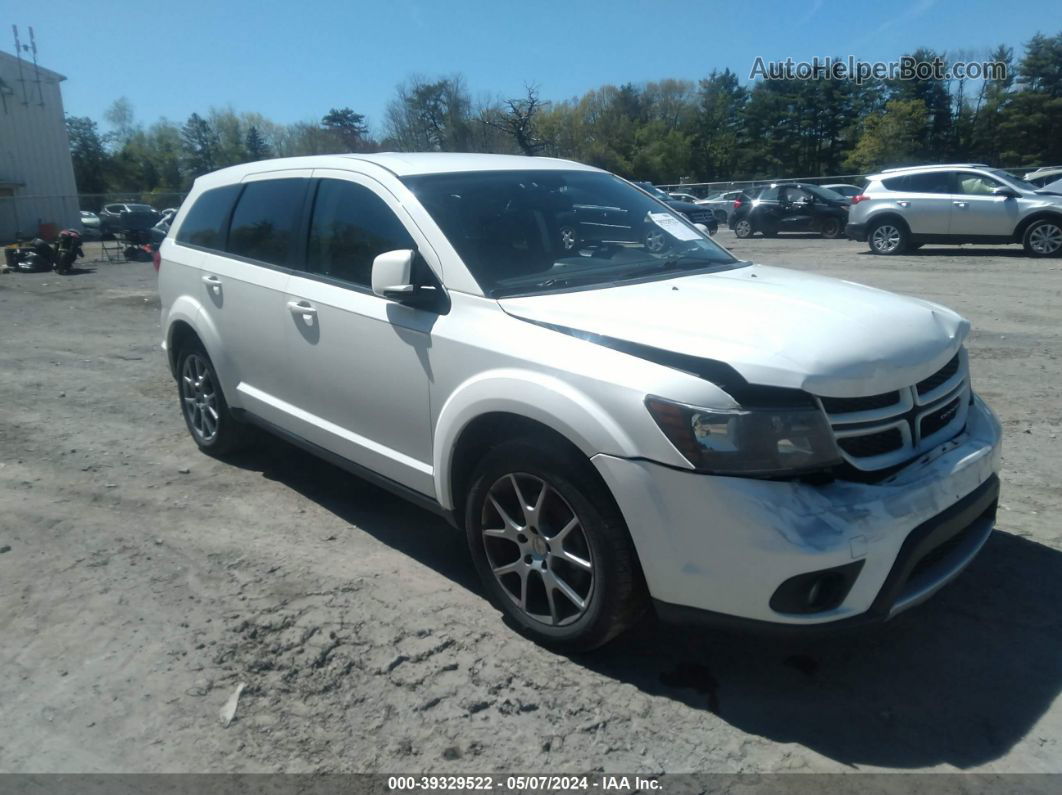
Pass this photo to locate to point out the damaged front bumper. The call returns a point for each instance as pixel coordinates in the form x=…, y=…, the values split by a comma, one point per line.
x=731, y=550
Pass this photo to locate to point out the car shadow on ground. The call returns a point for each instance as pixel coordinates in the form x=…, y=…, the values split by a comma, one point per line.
x=940, y=251
x=958, y=680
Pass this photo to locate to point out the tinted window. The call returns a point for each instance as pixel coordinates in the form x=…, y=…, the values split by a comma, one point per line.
x=204, y=225
x=265, y=221
x=930, y=182
x=769, y=195
x=351, y=226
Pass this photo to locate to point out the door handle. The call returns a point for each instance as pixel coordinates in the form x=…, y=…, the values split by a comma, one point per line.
x=213, y=282
x=902, y=203
x=959, y=204
x=304, y=309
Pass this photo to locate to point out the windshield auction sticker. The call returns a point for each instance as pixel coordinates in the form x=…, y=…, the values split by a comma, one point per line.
x=674, y=227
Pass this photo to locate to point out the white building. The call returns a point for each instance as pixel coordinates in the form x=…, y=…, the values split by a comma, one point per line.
x=36, y=174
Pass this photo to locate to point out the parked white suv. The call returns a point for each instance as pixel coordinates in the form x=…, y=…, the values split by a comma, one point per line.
x=640, y=417
x=902, y=208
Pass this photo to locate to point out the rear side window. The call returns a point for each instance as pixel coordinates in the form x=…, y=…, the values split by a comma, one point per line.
x=266, y=219
x=204, y=225
x=351, y=226
x=930, y=182
x=769, y=195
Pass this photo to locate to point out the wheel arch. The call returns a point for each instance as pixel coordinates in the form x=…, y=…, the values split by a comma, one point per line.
x=887, y=215
x=1039, y=215
x=500, y=406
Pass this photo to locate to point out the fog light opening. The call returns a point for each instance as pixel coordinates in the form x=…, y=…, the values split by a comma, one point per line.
x=816, y=591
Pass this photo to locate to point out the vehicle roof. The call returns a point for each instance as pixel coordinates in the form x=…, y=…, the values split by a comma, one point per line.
x=402, y=164
x=931, y=167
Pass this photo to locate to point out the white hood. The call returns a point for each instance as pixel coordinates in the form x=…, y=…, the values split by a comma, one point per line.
x=775, y=326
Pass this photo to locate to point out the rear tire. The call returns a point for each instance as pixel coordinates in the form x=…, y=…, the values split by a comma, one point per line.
x=1043, y=238
x=830, y=228
x=743, y=228
x=551, y=547
x=206, y=412
x=888, y=238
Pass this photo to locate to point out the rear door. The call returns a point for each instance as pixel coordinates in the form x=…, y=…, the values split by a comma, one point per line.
x=925, y=201
x=244, y=289
x=362, y=362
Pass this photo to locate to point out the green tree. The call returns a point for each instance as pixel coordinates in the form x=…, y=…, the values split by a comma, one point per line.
x=257, y=148
x=200, y=144
x=87, y=153
x=891, y=138
x=349, y=127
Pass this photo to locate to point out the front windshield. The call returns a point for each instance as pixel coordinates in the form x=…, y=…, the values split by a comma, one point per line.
x=1017, y=182
x=522, y=232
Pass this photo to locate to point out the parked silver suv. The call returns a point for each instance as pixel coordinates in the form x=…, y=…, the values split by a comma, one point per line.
x=902, y=208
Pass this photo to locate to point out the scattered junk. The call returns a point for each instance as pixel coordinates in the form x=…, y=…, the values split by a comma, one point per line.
x=228, y=712
x=39, y=255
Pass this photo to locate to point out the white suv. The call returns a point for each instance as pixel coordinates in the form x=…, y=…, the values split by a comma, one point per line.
x=638, y=419
x=902, y=208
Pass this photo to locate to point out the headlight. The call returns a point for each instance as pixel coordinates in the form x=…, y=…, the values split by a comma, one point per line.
x=747, y=441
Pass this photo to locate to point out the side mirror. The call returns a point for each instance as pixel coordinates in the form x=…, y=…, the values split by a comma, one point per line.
x=1006, y=193
x=392, y=274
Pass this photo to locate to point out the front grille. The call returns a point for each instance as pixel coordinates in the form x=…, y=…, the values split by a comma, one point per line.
x=931, y=423
x=940, y=376
x=872, y=444
x=699, y=216
x=882, y=431
x=852, y=405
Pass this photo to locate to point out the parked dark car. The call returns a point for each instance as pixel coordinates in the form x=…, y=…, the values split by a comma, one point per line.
x=792, y=207
x=694, y=212
x=126, y=217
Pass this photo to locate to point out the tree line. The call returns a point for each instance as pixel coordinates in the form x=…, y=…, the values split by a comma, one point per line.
x=714, y=129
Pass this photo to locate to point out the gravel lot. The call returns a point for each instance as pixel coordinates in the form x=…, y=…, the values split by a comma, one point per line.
x=141, y=581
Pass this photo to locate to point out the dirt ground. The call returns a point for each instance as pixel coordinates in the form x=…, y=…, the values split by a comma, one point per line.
x=141, y=581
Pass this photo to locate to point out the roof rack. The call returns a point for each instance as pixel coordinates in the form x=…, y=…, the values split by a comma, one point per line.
x=936, y=165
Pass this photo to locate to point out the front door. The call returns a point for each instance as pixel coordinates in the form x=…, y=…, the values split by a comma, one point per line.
x=362, y=361
x=976, y=211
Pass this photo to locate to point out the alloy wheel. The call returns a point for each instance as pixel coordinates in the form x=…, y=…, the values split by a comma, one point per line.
x=655, y=240
x=885, y=238
x=199, y=397
x=743, y=229
x=537, y=549
x=1046, y=239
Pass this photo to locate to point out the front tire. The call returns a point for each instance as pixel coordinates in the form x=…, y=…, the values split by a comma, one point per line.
x=1043, y=238
x=551, y=547
x=888, y=238
x=206, y=413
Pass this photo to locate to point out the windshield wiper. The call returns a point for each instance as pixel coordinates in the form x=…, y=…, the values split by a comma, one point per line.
x=677, y=263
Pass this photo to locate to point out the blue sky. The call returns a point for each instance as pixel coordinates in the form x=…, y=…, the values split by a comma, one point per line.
x=293, y=61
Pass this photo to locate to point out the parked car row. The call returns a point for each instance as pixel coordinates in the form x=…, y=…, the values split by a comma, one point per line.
x=903, y=209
